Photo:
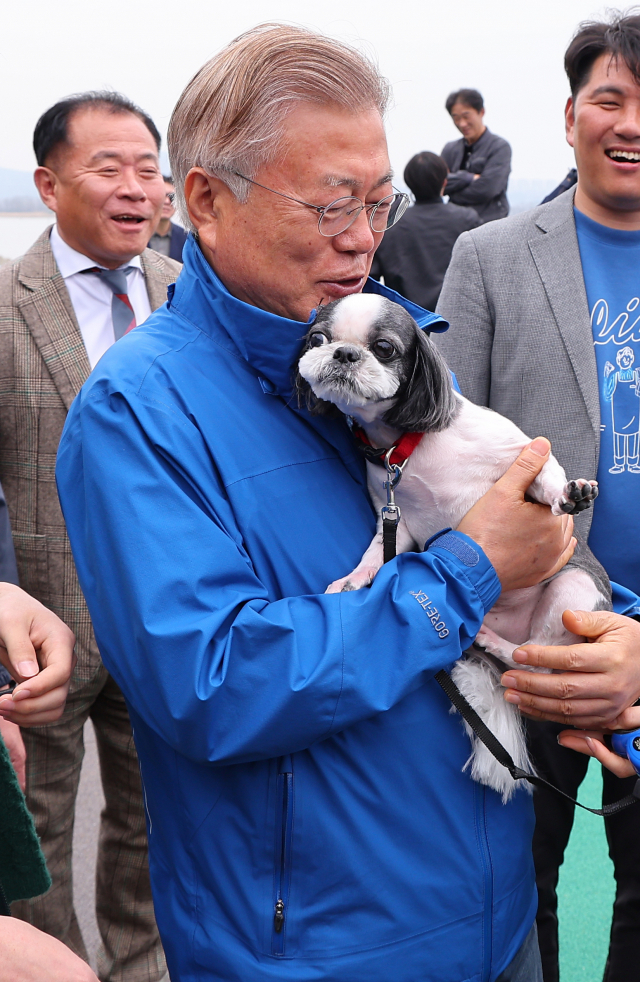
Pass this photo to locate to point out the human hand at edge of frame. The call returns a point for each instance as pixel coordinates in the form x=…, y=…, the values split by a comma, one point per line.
x=30, y=955
x=36, y=647
x=10, y=733
x=591, y=742
x=593, y=682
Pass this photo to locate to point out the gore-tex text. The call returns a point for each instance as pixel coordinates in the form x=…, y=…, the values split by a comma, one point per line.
x=432, y=612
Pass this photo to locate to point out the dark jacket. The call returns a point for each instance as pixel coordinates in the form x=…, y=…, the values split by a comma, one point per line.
x=414, y=254
x=178, y=239
x=23, y=872
x=491, y=157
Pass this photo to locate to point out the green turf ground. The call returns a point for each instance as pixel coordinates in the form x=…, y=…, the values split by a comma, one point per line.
x=586, y=891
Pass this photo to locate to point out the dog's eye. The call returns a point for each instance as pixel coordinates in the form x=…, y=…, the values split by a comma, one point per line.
x=316, y=339
x=383, y=349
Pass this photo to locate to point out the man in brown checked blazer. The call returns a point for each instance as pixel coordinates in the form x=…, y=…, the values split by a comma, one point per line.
x=84, y=283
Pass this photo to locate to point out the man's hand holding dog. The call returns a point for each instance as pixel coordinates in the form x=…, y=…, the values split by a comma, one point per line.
x=524, y=541
x=595, y=681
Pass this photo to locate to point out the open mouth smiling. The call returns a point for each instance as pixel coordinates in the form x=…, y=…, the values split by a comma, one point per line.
x=129, y=219
x=624, y=156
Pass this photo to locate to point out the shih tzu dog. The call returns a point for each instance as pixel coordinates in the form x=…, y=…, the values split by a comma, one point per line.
x=367, y=357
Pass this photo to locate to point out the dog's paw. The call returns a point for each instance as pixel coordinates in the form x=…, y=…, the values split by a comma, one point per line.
x=487, y=640
x=576, y=497
x=354, y=581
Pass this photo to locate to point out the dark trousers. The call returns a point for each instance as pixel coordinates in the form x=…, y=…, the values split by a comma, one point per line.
x=554, y=820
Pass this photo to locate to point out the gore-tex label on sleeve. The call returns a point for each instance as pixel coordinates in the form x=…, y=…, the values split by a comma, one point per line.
x=432, y=613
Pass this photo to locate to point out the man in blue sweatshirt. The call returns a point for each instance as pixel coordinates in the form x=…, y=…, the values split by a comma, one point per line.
x=308, y=816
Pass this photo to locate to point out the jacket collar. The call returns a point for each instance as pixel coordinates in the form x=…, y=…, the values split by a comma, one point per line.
x=269, y=343
x=480, y=141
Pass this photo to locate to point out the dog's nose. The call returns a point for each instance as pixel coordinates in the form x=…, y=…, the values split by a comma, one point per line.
x=347, y=352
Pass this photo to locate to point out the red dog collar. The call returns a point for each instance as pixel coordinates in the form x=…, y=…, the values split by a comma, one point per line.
x=401, y=451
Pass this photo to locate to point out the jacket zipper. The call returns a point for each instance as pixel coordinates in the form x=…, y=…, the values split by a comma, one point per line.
x=284, y=824
x=480, y=794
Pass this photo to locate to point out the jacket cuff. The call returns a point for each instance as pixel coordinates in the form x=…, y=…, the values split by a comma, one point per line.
x=471, y=561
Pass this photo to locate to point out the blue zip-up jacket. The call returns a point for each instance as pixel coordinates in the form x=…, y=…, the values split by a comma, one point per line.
x=308, y=816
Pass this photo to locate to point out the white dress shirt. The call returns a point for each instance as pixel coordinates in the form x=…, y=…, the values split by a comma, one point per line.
x=91, y=298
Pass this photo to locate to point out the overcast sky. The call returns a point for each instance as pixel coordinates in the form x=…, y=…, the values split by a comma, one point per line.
x=509, y=49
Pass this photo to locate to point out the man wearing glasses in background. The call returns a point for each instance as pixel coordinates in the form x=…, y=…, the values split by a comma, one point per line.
x=308, y=815
x=169, y=238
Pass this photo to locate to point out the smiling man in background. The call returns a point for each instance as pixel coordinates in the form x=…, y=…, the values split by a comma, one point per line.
x=545, y=329
x=86, y=282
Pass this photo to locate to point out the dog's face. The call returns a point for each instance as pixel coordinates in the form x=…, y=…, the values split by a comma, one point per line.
x=367, y=356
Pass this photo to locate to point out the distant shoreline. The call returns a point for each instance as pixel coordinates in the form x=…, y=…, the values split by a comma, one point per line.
x=27, y=214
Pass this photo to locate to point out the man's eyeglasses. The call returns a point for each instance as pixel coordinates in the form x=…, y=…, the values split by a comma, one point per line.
x=340, y=215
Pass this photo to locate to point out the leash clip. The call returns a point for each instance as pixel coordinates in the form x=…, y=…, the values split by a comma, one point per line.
x=391, y=511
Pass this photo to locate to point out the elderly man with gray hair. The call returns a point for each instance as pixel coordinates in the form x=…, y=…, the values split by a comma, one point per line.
x=308, y=815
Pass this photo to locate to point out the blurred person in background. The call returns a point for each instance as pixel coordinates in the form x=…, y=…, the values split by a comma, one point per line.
x=564, y=185
x=87, y=281
x=545, y=330
x=479, y=163
x=413, y=255
x=169, y=238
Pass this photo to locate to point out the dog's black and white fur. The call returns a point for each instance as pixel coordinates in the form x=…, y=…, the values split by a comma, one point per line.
x=366, y=356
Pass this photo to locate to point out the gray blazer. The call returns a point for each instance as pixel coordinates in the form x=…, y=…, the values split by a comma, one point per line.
x=520, y=339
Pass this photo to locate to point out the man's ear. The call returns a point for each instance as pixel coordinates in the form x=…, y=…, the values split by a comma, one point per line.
x=46, y=182
x=203, y=195
x=569, y=120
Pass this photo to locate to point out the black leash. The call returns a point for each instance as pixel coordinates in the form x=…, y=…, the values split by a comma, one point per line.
x=390, y=519
x=391, y=511
x=503, y=756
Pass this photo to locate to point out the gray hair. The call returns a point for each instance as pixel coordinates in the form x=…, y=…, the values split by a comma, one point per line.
x=231, y=115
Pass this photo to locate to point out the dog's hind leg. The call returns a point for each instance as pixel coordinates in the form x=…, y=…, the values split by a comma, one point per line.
x=570, y=589
x=488, y=640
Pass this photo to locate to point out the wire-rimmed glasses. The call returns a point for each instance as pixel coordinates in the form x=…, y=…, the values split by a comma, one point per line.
x=339, y=215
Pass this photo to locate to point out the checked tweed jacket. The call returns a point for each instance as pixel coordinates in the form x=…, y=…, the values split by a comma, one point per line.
x=43, y=364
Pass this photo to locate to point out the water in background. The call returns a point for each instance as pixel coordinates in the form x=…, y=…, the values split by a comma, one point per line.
x=17, y=234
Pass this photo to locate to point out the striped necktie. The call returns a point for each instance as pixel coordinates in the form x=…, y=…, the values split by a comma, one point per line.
x=122, y=313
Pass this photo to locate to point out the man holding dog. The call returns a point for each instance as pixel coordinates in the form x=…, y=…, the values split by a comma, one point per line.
x=308, y=815
x=544, y=329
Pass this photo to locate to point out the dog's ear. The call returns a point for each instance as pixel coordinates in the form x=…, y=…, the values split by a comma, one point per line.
x=426, y=402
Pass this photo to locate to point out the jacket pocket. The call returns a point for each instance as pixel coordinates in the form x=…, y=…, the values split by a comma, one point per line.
x=282, y=868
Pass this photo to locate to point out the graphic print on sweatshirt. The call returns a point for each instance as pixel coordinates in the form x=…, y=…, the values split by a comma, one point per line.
x=611, y=269
x=620, y=382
